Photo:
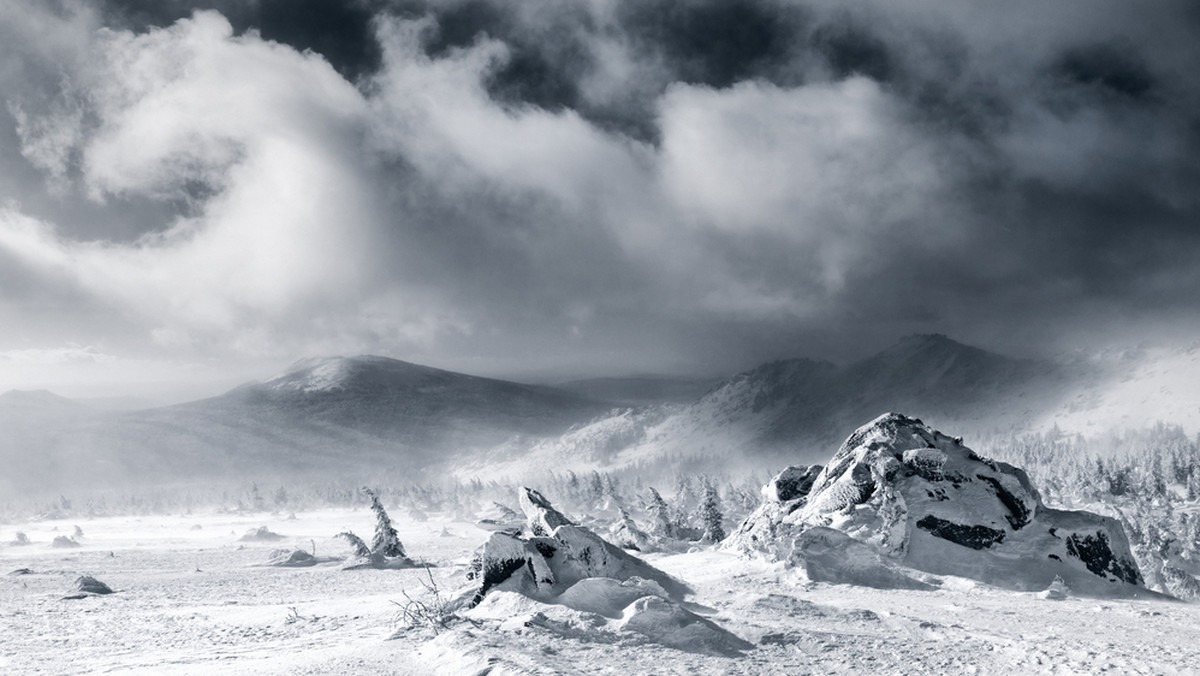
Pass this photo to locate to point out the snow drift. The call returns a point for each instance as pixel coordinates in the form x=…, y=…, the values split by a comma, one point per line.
x=898, y=493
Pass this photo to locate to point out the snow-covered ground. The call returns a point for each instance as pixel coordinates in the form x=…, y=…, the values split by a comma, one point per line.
x=192, y=598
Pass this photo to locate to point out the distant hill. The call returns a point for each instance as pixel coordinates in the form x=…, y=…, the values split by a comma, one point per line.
x=798, y=408
x=642, y=390
x=346, y=415
x=350, y=417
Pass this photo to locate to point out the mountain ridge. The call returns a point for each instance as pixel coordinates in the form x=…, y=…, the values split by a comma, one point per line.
x=346, y=415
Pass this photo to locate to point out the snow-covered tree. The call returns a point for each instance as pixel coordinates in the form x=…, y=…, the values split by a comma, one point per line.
x=386, y=541
x=711, y=516
x=660, y=515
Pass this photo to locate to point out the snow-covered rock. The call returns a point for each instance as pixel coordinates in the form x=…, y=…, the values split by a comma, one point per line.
x=555, y=553
x=1057, y=591
x=527, y=580
x=769, y=528
x=923, y=500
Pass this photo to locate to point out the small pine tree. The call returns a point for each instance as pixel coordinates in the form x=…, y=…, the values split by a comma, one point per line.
x=710, y=514
x=660, y=512
x=386, y=541
x=595, y=487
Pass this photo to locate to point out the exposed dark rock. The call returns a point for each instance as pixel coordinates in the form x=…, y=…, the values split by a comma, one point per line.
x=975, y=537
x=90, y=585
x=1095, y=553
x=792, y=483
x=1018, y=514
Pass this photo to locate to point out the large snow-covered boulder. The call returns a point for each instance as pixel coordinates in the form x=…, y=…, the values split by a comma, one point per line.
x=925, y=501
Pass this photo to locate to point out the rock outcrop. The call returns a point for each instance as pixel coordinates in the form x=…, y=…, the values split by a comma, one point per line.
x=531, y=578
x=923, y=500
x=554, y=553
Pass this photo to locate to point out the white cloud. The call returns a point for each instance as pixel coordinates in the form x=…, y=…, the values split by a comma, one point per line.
x=416, y=215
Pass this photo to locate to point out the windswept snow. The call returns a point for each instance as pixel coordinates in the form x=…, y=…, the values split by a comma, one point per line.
x=199, y=602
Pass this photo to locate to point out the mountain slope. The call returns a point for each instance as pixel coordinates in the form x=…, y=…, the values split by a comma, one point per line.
x=334, y=417
x=779, y=408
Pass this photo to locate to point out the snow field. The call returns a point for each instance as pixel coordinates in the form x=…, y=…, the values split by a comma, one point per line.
x=235, y=616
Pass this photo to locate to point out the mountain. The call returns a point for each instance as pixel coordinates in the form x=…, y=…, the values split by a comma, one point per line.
x=406, y=402
x=15, y=404
x=335, y=417
x=800, y=405
x=642, y=390
x=350, y=417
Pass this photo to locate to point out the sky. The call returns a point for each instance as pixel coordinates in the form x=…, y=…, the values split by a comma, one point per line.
x=194, y=194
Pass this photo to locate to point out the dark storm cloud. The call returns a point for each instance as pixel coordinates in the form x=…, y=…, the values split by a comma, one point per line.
x=339, y=30
x=592, y=184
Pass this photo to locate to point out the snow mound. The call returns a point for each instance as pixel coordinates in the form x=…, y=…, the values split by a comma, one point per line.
x=832, y=556
x=1057, y=591
x=608, y=597
x=260, y=534
x=671, y=625
x=64, y=542
x=650, y=617
x=295, y=558
x=909, y=495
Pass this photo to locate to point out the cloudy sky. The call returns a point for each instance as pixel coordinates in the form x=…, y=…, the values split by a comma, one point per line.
x=200, y=192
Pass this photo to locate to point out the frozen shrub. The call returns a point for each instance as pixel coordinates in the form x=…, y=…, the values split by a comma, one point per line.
x=360, y=548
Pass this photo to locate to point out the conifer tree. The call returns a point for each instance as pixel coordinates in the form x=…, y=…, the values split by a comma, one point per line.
x=711, y=516
x=386, y=541
x=660, y=512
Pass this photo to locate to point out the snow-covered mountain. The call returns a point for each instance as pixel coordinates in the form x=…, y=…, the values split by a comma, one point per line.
x=347, y=415
x=332, y=417
x=803, y=406
x=642, y=390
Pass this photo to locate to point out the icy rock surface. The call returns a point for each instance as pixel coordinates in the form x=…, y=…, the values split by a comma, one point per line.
x=923, y=500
